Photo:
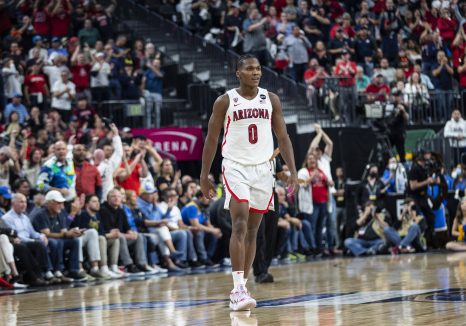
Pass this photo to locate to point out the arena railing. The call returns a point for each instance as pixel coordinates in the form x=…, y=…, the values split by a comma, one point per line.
x=141, y=113
x=446, y=147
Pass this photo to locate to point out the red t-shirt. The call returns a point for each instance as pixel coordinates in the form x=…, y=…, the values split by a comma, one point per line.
x=432, y=20
x=40, y=21
x=309, y=73
x=35, y=83
x=81, y=76
x=132, y=182
x=343, y=70
x=87, y=178
x=59, y=24
x=374, y=89
x=319, y=187
x=462, y=79
x=457, y=53
x=447, y=28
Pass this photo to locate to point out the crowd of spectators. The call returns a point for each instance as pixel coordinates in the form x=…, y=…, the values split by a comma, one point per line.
x=57, y=53
x=81, y=199
x=368, y=49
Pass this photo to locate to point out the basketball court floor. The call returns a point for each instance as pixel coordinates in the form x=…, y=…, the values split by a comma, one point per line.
x=417, y=289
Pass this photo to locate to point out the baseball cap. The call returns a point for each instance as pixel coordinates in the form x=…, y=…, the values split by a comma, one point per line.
x=148, y=188
x=36, y=38
x=17, y=94
x=5, y=192
x=74, y=39
x=54, y=195
x=55, y=39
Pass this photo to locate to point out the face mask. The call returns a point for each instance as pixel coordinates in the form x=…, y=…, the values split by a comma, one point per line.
x=373, y=175
x=392, y=166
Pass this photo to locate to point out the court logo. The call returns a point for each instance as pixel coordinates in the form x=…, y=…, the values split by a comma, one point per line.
x=317, y=299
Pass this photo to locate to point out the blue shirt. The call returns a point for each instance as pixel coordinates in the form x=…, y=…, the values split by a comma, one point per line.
x=130, y=217
x=386, y=175
x=22, y=225
x=444, y=80
x=150, y=211
x=20, y=109
x=191, y=211
x=153, y=82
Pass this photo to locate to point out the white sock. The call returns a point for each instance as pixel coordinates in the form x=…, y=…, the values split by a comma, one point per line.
x=245, y=281
x=95, y=269
x=238, y=278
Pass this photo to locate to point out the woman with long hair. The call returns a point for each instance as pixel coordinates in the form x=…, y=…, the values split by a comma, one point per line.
x=458, y=229
x=31, y=166
x=315, y=180
x=168, y=178
x=416, y=96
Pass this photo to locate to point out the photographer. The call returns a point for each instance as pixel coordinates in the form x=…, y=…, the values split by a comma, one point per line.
x=407, y=238
x=423, y=174
x=367, y=239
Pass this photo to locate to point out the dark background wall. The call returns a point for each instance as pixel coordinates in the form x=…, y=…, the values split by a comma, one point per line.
x=352, y=147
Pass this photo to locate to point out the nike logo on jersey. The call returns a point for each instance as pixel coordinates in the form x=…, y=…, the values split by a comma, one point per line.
x=251, y=114
x=236, y=104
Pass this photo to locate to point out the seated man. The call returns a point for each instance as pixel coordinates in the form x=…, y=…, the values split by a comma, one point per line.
x=51, y=221
x=172, y=214
x=147, y=203
x=301, y=237
x=367, y=239
x=115, y=222
x=35, y=242
x=408, y=237
x=193, y=215
x=89, y=219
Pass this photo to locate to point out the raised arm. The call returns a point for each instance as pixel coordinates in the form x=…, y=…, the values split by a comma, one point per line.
x=210, y=145
x=316, y=141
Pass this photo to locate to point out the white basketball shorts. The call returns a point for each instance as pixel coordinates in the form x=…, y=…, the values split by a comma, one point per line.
x=249, y=183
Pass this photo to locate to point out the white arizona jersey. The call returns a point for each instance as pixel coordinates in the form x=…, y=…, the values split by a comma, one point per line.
x=248, y=129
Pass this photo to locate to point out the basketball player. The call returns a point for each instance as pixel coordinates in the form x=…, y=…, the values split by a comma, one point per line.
x=248, y=114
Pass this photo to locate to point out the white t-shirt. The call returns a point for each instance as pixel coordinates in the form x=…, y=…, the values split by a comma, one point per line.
x=101, y=80
x=324, y=164
x=173, y=217
x=62, y=102
x=54, y=73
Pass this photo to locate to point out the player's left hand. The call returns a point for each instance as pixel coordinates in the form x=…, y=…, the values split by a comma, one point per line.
x=293, y=184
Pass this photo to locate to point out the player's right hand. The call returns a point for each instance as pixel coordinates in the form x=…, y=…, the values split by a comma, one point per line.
x=207, y=188
x=293, y=184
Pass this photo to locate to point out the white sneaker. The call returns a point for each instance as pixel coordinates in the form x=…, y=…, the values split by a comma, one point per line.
x=58, y=274
x=159, y=270
x=18, y=285
x=149, y=270
x=240, y=299
x=116, y=270
x=48, y=275
x=109, y=274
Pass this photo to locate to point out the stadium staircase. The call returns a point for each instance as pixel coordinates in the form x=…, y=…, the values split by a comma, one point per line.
x=199, y=71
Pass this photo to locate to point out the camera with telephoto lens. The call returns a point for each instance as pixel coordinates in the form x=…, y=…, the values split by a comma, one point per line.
x=433, y=167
